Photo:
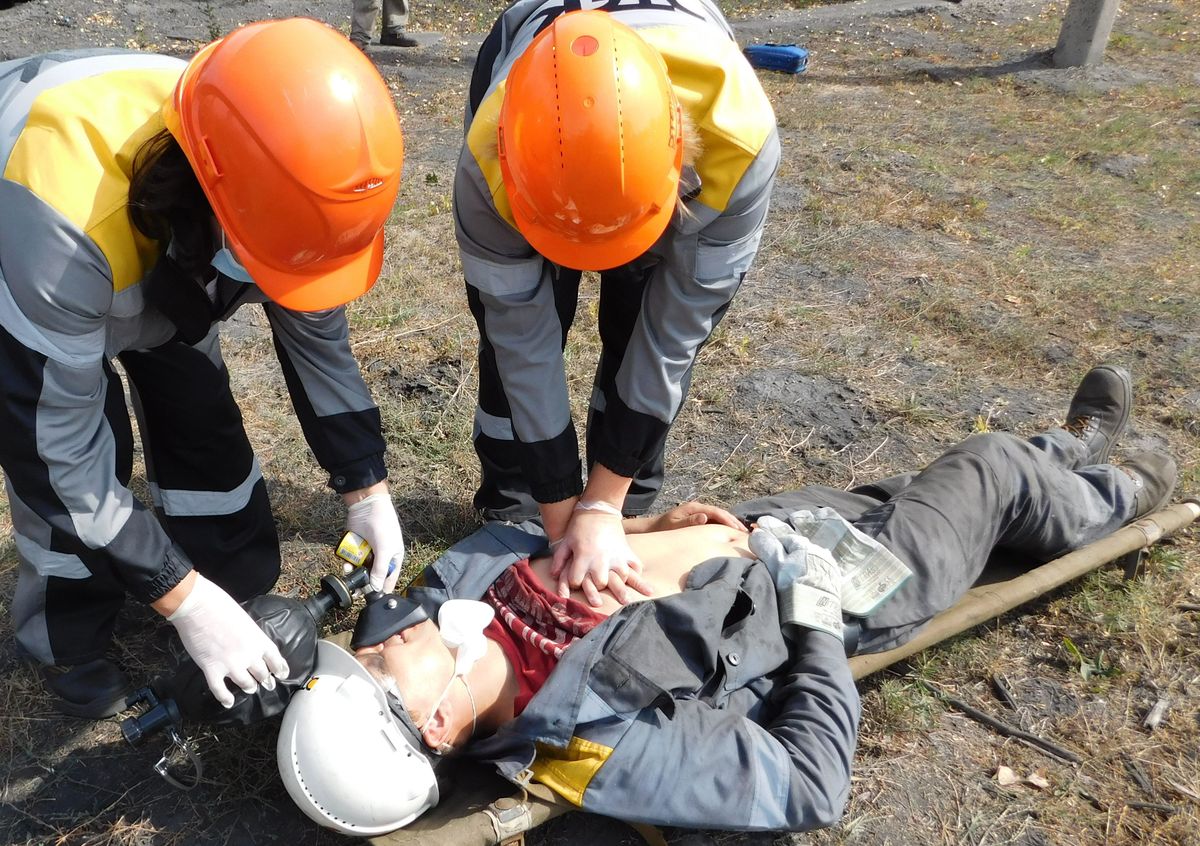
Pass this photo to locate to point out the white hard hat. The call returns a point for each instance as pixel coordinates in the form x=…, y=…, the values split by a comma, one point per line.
x=348, y=760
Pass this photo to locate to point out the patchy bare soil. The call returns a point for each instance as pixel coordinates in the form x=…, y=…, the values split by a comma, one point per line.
x=958, y=232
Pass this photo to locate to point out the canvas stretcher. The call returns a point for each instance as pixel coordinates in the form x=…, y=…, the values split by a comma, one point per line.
x=486, y=810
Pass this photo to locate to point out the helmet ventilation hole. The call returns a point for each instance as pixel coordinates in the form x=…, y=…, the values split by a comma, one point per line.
x=317, y=802
x=585, y=45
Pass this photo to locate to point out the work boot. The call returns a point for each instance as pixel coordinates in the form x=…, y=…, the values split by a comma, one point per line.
x=92, y=690
x=1100, y=410
x=1153, y=475
x=397, y=38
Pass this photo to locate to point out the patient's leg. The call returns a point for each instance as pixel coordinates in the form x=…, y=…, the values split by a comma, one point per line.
x=1061, y=447
x=850, y=504
x=992, y=490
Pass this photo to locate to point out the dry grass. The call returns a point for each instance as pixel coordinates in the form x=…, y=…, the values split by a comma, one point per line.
x=1148, y=643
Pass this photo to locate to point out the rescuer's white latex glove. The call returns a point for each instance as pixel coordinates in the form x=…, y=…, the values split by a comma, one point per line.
x=225, y=643
x=594, y=556
x=374, y=519
x=807, y=578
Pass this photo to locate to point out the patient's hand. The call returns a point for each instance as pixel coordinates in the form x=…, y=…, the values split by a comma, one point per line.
x=684, y=514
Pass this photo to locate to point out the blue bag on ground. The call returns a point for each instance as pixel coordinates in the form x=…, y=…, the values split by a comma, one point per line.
x=787, y=58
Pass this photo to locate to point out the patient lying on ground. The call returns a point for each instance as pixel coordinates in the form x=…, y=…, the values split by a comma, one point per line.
x=722, y=697
x=531, y=630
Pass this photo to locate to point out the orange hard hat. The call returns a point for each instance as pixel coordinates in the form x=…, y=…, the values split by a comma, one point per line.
x=590, y=142
x=295, y=140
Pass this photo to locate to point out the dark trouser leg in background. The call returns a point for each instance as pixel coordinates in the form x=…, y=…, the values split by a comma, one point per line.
x=503, y=492
x=621, y=292
x=206, y=483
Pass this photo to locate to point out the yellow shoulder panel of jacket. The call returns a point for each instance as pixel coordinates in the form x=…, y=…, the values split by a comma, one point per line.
x=76, y=153
x=484, y=147
x=568, y=772
x=715, y=85
x=720, y=91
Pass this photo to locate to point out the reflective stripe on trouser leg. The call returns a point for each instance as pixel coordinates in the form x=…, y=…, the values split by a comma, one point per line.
x=504, y=489
x=64, y=607
x=206, y=482
x=503, y=493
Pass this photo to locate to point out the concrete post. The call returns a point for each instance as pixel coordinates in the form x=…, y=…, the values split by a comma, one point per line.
x=1084, y=33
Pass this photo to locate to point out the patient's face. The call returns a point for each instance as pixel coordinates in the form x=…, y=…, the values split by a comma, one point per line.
x=420, y=663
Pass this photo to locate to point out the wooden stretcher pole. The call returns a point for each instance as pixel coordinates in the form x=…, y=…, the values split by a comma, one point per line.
x=990, y=601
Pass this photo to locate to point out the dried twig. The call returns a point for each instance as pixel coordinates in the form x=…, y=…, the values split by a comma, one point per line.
x=854, y=465
x=36, y=819
x=1184, y=791
x=1161, y=807
x=1095, y=803
x=1138, y=775
x=1004, y=728
x=421, y=329
x=1000, y=688
x=1012, y=731
x=707, y=482
x=384, y=336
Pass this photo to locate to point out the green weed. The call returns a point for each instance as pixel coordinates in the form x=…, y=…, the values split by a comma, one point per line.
x=1088, y=667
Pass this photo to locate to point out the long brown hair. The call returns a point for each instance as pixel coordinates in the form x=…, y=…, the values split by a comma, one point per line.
x=167, y=204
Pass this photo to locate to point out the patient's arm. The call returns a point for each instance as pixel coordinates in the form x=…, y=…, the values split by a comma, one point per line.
x=684, y=514
x=717, y=768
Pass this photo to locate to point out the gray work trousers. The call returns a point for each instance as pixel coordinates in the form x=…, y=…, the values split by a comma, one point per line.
x=992, y=493
x=208, y=491
x=362, y=18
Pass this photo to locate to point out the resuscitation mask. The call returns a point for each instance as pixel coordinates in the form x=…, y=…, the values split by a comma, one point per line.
x=223, y=261
x=461, y=623
x=384, y=615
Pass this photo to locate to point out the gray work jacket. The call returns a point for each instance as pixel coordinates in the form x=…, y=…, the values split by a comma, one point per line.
x=691, y=710
x=73, y=276
x=692, y=271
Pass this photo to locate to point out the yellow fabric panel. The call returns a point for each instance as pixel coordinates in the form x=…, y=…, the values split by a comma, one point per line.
x=568, y=772
x=76, y=154
x=481, y=141
x=719, y=90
